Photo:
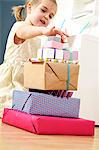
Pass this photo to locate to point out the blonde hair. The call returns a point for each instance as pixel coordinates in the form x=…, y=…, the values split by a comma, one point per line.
x=20, y=11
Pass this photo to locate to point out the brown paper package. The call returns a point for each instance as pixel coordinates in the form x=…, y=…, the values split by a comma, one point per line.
x=50, y=76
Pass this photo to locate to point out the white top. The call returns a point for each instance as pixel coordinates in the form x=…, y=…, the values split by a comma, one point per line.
x=11, y=71
x=23, y=51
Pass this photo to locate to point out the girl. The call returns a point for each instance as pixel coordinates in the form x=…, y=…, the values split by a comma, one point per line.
x=32, y=21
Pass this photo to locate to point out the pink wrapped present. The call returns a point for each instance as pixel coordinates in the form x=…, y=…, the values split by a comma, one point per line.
x=53, y=44
x=70, y=55
x=48, y=125
x=66, y=55
x=74, y=55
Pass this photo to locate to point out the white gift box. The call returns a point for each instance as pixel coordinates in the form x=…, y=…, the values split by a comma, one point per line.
x=40, y=53
x=59, y=54
x=45, y=53
x=48, y=53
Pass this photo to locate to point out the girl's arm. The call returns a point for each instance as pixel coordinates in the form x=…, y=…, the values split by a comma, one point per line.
x=29, y=31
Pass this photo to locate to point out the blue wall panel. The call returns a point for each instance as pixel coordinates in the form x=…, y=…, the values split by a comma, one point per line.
x=6, y=22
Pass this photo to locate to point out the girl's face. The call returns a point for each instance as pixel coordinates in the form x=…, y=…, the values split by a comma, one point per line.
x=42, y=14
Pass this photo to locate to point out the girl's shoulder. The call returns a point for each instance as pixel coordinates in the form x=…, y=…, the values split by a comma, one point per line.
x=14, y=28
x=10, y=40
x=17, y=24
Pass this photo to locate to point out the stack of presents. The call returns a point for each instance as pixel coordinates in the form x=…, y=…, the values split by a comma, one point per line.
x=48, y=107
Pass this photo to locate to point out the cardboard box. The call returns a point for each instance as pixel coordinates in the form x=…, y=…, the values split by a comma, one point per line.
x=51, y=75
x=48, y=125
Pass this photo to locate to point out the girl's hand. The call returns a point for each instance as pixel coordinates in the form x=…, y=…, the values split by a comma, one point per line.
x=53, y=32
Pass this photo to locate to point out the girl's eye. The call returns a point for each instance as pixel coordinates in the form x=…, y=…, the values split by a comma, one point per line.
x=43, y=10
x=50, y=16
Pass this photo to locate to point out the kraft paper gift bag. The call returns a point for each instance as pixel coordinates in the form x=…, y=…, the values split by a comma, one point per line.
x=48, y=125
x=51, y=75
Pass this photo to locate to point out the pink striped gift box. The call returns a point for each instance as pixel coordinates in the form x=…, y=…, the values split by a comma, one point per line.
x=53, y=44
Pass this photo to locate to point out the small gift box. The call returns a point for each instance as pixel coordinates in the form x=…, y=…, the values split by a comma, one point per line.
x=48, y=125
x=74, y=55
x=48, y=53
x=59, y=54
x=53, y=44
x=71, y=55
x=45, y=53
x=44, y=104
x=40, y=53
x=66, y=55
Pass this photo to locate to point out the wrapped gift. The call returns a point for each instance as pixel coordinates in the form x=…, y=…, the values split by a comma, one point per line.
x=74, y=55
x=59, y=54
x=52, y=53
x=66, y=55
x=40, y=53
x=71, y=55
x=44, y=104
x=48, y=125
x=53, y=44
x=51, y=75
x=45, y=53
x=48, y=53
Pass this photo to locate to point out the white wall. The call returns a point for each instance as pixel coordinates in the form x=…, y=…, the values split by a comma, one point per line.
x=68, y=8
x=88, y=87
x=64, y=11
x=89, y=62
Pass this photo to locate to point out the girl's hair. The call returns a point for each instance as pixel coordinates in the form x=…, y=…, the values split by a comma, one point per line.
x=20, y=11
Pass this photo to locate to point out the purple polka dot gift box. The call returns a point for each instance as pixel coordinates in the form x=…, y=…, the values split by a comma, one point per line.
x=44, y=104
